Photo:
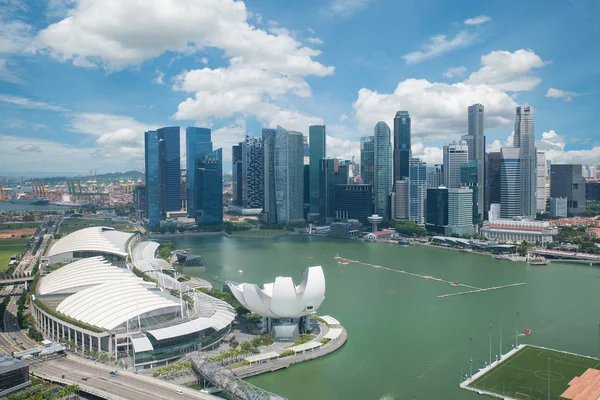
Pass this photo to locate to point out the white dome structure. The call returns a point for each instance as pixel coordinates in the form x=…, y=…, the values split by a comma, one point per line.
x=282, y=299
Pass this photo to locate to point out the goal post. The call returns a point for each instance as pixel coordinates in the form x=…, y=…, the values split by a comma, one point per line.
x=522, y=396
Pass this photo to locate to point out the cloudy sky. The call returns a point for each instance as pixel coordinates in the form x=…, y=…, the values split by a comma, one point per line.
x=81, y=80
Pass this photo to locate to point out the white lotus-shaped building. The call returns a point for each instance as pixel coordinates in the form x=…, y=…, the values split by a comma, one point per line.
x=282, y=299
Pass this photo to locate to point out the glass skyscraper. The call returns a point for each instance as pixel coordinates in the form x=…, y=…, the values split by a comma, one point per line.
x=417, y=191
x=469, y=178
x=367, y=159
x=525, y=141
x=209, y=188
x=289, y=175
x=510, y=196
x=236, y=175
x=170, y=166
x=198, y=142
x=269, y=202
x=252, y=172
x=151, y=175
x=317, y=152
x=331, y=173
x=455, y=155
x=402, y=150
x=476, y=131
x=383, y=169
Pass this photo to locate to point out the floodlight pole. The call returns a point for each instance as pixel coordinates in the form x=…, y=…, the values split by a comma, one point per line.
x=470, y=357
x=517, y=330
x=490, y=355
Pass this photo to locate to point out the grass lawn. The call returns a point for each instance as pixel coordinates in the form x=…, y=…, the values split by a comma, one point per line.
x=19, y=225
x=524, y=375
x=260, y=232
x=8, y=247
x=70, y=226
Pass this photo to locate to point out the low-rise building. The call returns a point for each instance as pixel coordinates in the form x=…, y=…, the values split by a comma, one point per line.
x=345, y=230
x=558, y=207
x=593, y=232
x=519, y=230
x=14, y=375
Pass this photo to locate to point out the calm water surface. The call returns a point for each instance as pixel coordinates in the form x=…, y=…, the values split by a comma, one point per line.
x=404, y=342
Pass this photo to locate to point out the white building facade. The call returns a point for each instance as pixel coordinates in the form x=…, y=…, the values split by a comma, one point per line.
x=519, y=230
x=460, y=211
x=540, y=193
x=455, y=155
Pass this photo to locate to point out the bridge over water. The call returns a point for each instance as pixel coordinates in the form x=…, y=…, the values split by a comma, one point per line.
x=228, y=382
x=568, y=256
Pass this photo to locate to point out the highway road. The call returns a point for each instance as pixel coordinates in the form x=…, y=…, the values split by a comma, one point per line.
x=124, y=385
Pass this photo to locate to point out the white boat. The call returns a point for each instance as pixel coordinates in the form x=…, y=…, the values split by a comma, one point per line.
x=210, y=390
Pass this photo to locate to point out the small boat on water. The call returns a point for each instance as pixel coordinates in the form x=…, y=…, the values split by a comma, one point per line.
x=210, y=390
x=455, y=284
x=343, y=261
x=527, y=331
x=538, y=261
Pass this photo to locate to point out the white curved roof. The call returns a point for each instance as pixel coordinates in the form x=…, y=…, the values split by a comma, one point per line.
x=85, y=273
x=98, y=238
x=144, y=257
x=282, y=299
x=111, y=304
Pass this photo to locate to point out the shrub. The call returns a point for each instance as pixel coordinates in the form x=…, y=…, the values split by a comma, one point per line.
x=286, y=353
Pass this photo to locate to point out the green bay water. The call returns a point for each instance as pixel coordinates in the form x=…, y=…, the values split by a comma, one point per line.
x=403, y=341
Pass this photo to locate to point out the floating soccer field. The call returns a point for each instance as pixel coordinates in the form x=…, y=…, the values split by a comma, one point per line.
x=524, y=374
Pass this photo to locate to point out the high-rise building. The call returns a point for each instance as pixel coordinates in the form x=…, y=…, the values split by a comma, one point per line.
x=558, y=207
x=353, y=202
x=197, y=142
x=170, y=167
x=317, y=150
x=332, y=172
x=460, y=211
x=252, y=172
x=417, y=191
x=209, y=188
x=437, y=210
x=525, y=140
x=269, y=202
x=367, y=159
x=540, y=194
x=493, y=179
x=152, y=187
x=470, y=141
x=469, y=179
x=400, y=197
x=236, y=175
x=289, y=175
x=510, y=205
x=402, y=150
x=455, y=155
x=566, y=180
x=383, y=170
x=476, y=130
x=183, y=189
x=592, y=191
x=435, y=176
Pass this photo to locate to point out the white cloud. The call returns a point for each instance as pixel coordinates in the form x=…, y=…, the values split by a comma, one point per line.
x=551, y=141
x=345, y=8
x=58, y=8
x=7, y=75
x=227, y=136
x=343, y=148
x=14, y=123
x=314, y=40
x=430, y=155
x=555, y=147
x=159, y=77
x=440, y=44
x=480, y=19
x=29, y=148
x=560, y=94
x=455, y=71
x=508, y=71
x=28, y=103
x=343, y=117
x=204, y=60
x=496, y=145
x=15, y=35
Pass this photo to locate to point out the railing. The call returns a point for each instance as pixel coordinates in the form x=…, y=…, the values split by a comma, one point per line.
x=228, y=382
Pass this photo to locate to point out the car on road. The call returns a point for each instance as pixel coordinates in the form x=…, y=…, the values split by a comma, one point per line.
x=85, y=378
x=180, y=392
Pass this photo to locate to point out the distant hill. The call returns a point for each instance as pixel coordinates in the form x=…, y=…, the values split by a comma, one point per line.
x=111, y=176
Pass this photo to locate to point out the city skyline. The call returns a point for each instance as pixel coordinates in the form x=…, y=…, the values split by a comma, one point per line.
x=94, y=104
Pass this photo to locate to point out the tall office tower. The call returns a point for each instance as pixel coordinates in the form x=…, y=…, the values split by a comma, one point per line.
x=252, y=172
x=469, y=178
x=367, y=159
x=269, y=203
x=317, y=138
x=353, y=202
x=183, y=189
x=306, y=147
x=566, y=180
x=152, y=204
x=417, y=191
x=460, y=211
x=435, y=176
x=476, y=130
x=510, y=173
x=402, y=150
x=525, y=141
x=383, y=169
x=236, y=175
x=494, y=176
x=170, y=167
x=540, y=194
x=470, y=141
x=198, y=142
x=289, y=175
x=455, y=155
x=436, y=211
x=332, y=172
x=401, y=201
x=209, y=188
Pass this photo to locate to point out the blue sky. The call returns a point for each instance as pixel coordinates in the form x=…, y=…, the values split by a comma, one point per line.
x=81, y=80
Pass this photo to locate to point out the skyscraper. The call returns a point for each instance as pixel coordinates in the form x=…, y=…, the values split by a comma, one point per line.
x=152, y=177
x=209, y=188
x=455, y=155
x=383, y=169
x=170, y=167
x=353, y=202
x=540, y=194
x=289, y=175
x=236, y=175
x=402, y=151
x=435, y=176
x=510, y=205
x=198, y=142
x=317, y=152
x=400, y=204
x=436, y=218
x=367, y=159
x=525, y=141
x=460, y=211
x=476, y=130
x=469, y=178
x=252, y=172
x=494, y=177
x=417, y=191
x=269, y=202
x=331, y=173
x=567, y=181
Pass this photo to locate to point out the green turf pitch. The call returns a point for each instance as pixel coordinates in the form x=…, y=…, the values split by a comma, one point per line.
x=526, y=373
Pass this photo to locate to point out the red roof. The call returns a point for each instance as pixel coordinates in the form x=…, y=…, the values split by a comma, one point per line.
x=385, y=232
